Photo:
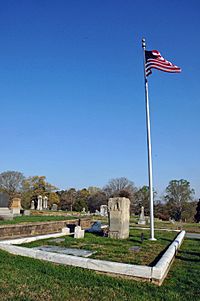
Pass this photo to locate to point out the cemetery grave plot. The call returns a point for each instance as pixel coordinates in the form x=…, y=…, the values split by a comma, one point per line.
x=132, y=250
x=24, y=278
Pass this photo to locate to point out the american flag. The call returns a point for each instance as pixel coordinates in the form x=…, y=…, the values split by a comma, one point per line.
x=153, y=59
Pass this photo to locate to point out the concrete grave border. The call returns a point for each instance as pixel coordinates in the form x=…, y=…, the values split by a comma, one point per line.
x=155, y=274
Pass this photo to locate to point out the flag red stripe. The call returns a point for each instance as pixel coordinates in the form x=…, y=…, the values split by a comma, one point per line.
x=169, y=69
x=154, y=65
x=159, y=63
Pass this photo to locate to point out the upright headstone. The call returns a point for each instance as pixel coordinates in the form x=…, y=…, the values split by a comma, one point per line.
x=16, y=206
x=142, y=220
x=78, y=232
x=45, y=202
x=119, y=216
x=5, y=212
x=66, y=230
x=83, y=211
x=54, y=207
x=32, y=205
x=39, y=205
x=104, y=210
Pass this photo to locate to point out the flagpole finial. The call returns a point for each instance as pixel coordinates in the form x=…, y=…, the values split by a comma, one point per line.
x=143, y=43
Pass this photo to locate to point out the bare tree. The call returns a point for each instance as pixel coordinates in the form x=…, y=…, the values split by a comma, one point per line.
x=11, y=182
x=120, y=187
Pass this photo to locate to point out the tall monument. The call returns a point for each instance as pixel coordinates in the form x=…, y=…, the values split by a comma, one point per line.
x=119, y=216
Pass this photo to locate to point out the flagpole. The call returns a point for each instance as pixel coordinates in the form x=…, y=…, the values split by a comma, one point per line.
x=149, y=148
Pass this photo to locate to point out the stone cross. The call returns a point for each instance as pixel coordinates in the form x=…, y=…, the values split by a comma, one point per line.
x=119, y=216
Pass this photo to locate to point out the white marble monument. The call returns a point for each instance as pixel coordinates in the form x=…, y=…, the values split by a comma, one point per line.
x=39, y=205
x=142, y=220
x=32, y=205
x=104, y=210
x=45, y=202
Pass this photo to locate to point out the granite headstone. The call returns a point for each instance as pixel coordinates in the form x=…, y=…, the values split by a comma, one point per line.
x=5, y=212
x=4, y=200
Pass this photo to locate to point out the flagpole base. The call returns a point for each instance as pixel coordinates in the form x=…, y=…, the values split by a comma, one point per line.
x=152, y=239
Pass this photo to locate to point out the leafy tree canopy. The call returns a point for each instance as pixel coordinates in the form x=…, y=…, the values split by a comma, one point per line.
x=178, y=194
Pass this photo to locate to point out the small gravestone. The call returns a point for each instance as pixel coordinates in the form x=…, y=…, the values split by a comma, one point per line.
x=54, y=207
x=142, y=220
x=5, y=212
x=32, y=205
x=16, y=206
x=104, y=210
x=78, y=232
x=66, y=230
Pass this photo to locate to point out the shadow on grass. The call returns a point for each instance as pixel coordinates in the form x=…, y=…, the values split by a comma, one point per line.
x=187, y=256
x=190, y=238
x=189, y=253
x=155, y=261
x=165, y=239
x=135, y=240
x=187, y=259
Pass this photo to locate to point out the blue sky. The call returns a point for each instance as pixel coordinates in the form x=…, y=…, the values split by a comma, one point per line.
x=72, y=91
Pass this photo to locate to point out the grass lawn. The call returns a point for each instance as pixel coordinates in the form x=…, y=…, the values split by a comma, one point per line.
x=159, y=224
x=118, y=250
x=189, y=227
x=26, y=219
x=28, y=279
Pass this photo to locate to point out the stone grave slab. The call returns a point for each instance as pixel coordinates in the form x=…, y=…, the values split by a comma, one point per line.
x=135, y=249
x=57, y=240
x=66, y=251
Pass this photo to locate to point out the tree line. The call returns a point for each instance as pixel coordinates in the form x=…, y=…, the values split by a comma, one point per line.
x=177, y=203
